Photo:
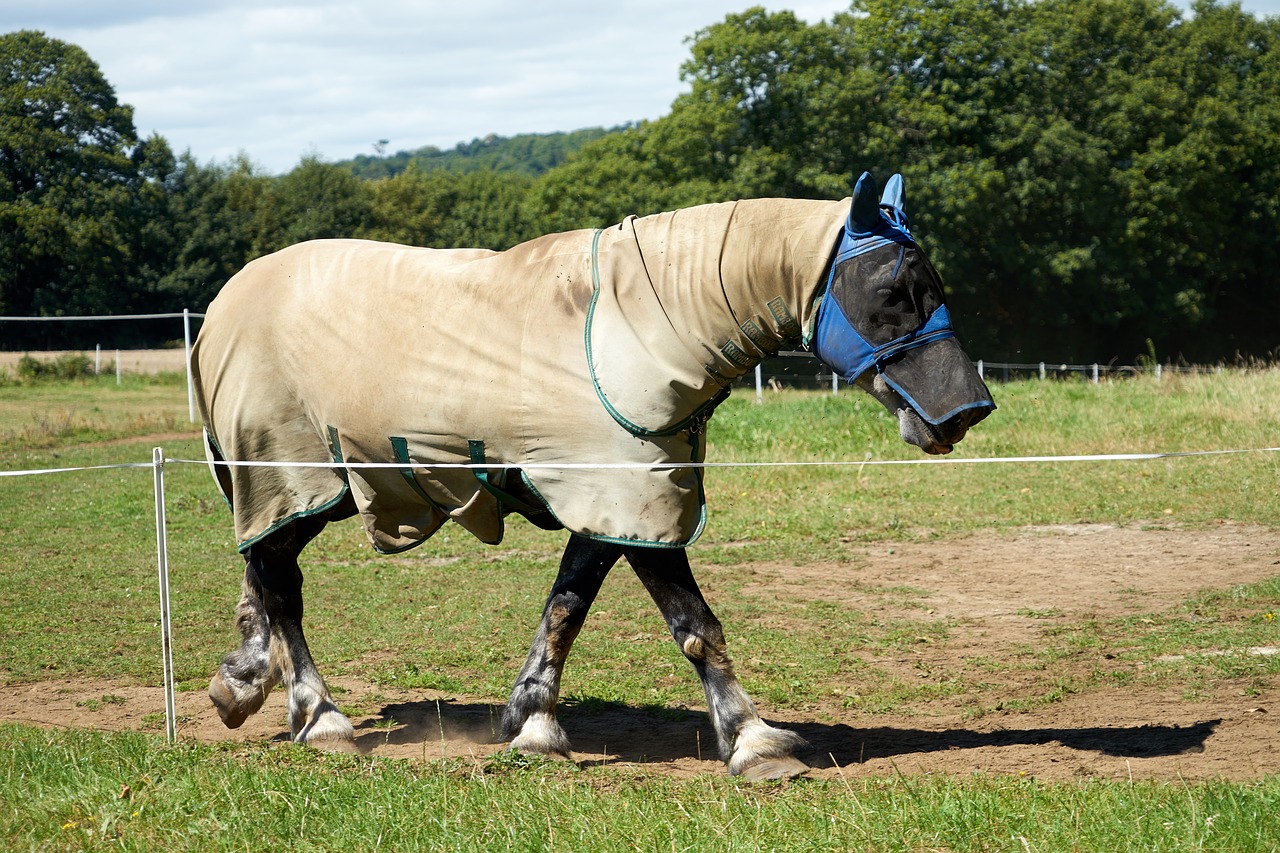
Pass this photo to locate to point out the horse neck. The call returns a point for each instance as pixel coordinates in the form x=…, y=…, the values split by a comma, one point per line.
x=737, y=280
x=775, y=254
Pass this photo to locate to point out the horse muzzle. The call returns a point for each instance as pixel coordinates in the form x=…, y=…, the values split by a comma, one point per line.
x=914, y=428
x=938, y=439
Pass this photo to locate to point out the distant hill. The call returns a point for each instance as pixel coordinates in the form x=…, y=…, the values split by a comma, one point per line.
x=528, y=153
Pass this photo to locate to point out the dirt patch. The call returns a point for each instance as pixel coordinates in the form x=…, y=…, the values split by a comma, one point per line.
x=997, y=594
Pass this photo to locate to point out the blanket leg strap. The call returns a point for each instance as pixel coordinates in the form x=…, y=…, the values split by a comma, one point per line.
x=475, y=447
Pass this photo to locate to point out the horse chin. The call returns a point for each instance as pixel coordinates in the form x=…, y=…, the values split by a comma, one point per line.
x=916, y=431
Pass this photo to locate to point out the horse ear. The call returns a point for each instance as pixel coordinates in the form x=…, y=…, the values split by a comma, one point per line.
x=864, y=212
x=895, y=194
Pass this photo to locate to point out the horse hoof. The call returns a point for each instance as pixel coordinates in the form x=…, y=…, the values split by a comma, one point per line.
x=775, y=768
x=335, y=744
x=233, y=716
x=328, y=730
x=542, y=735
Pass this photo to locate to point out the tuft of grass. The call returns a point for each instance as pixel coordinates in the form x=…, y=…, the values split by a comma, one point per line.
x=50, y=415
x=87, y=790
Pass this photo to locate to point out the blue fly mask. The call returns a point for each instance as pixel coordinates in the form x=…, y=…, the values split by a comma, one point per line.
x=883, y=309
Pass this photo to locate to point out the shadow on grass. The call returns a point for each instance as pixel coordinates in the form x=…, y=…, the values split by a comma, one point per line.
x=637, y=734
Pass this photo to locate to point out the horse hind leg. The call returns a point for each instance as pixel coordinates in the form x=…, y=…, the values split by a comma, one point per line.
x=750, y=747
x=274, y=649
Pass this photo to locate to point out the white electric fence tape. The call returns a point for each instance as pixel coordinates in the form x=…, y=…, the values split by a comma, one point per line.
x=652, y=466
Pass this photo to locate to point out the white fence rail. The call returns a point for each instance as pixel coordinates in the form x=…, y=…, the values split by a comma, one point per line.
x=804, y=370
x=785, y=369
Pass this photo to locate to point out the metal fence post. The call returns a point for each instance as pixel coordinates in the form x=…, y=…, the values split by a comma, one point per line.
x=166, y=638
x=186, y=343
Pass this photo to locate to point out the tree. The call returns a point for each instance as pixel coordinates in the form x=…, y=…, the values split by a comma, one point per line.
x=316, y=200
x=445, y=210
x=214, y=213
x=72, y=177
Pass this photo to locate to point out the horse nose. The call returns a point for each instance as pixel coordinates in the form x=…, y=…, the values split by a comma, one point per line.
x=958, y=424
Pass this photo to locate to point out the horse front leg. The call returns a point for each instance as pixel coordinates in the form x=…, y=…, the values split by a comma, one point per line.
x=529, y=721
x=274, y=649
x=749, y=746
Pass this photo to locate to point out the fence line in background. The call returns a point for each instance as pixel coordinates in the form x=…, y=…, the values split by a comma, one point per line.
x=186, y=316
x=805, y=370
x=818, y=375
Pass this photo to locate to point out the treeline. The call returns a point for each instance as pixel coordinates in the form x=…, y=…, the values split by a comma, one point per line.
x=531, y=154
x=1096, y=179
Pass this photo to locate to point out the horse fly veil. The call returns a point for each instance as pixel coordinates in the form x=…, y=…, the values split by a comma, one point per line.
x=883, y=309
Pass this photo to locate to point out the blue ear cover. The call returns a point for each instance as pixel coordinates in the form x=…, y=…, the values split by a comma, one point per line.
x=895, y=194
x=864, y=212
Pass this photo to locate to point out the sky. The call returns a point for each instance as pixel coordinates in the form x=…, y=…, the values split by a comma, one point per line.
x=278, y=80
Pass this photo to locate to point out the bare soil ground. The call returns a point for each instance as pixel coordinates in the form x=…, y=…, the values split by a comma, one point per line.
x=999, y=592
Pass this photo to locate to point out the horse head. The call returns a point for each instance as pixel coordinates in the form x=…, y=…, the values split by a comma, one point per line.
x=883, y=324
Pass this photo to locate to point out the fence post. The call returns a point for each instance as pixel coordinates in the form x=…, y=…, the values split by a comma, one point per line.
x=166, y=639
x=97, y=360
x=1042, y=371
x=117, y=367
x=186, y=343
x=1095, y=373
x=759, y=386
x=981, y=375
x=835, y=383
x=1158, y=371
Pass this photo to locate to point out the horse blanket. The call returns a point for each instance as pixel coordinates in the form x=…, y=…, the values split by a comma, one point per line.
x=608, y=346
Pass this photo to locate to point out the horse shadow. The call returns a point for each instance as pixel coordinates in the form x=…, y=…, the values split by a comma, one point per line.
x=630, y=734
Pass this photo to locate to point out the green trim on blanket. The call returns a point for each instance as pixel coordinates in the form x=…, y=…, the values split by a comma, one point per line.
x=475, y=448
x=211, y=445
x=642, y=543
x=335, y=450
x=700, y=413
x=400, y=452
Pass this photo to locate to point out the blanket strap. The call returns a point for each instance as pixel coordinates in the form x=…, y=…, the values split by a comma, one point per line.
x=475, y=448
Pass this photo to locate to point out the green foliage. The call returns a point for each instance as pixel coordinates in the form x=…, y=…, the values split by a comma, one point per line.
x=1089, y=175
x=527, y=154
x=446, y=210
x=73, y=365
x=77, y=189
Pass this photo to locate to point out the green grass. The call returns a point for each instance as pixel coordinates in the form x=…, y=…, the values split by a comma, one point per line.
x=79, y=555
x=83, y=790
x=46, y=414
x=83, y=542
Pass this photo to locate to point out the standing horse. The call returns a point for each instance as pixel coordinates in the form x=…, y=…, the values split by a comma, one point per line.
x=569, y=380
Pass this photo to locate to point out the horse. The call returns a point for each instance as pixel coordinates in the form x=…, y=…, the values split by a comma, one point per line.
x=567, y=380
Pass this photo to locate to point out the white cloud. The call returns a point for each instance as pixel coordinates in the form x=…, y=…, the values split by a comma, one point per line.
x=278, y=79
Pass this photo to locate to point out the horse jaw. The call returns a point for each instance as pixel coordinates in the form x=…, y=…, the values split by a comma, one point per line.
x=913, y=429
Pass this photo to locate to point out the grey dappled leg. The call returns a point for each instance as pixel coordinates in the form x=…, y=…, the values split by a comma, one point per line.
x=274, y=649
x=748, y=745
x=529, y=720
x=246, y=676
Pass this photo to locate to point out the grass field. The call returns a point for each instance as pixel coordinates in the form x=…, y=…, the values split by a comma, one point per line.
x=78, y=594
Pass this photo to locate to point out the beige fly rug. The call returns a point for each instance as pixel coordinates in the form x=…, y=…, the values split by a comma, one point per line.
x=574, y=372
